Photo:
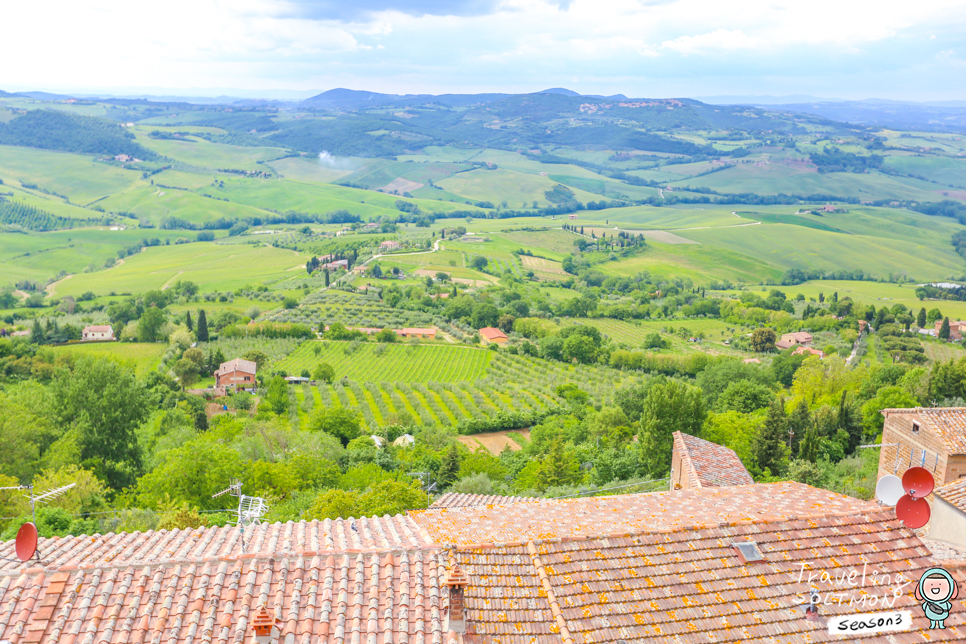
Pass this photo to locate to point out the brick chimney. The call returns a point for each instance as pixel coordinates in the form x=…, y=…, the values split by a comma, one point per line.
x=264, y=625
x=456, y=582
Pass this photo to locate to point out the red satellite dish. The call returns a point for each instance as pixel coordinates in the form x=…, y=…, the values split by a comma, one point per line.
x=26, y=541
x=912, y=508
x=914, y=513
x=918, y=482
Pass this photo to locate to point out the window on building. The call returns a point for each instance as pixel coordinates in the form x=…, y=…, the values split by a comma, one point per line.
x=247, y=378
x=915, y=427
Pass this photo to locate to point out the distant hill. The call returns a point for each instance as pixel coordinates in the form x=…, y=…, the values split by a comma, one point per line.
x=881, y=113
x=53, y=130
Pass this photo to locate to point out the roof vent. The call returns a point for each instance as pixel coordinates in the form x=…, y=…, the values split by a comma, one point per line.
x=748, y=551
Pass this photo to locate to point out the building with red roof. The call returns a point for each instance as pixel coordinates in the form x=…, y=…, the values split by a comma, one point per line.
x=491, y=335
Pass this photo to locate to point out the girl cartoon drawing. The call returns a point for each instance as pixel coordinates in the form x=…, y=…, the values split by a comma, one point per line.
x=936, y=590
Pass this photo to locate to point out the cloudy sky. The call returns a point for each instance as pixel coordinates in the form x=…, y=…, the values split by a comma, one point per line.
x=644, y=48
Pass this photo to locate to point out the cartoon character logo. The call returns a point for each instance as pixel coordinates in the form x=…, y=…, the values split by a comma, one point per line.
x=936, y=590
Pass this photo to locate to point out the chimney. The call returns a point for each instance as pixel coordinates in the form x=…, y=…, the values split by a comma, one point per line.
x=455, y=583
x=265, y=626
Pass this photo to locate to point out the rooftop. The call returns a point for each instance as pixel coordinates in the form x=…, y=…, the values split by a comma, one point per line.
x=953, y=493
x=490, y=333
x=655, y=567
x=456, y=500
x=710, y=464
x=629, y=513
x=689, y=585
x=238, y=364
x=949, y=423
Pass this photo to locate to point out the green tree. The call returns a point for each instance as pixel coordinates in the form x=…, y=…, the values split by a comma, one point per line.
x=933, y=315
x=187, y=371
x=744, y=396
x=798, y=422
x=202, y=332
x=579, y=348
x=944, y=330
x=449, y=466
x=386, y=335
x=277, y=398
x=763, y=340
x=670, y=407
x=375, y=271
x=149, y=326
x=479, y=262
x=187, y=321
x=770, y=448
x=342, y=423
x=260, y=358
x=921, y=318
x=558, y=467
x=484, y=315
x=324, y=372
x=37, y=334
x=106, y=404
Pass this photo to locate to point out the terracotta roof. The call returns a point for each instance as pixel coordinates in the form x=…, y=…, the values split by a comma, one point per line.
x=954, y=493
x=710, y=464
x=179, y=546
x=238, y=364
x=98, y=328
x=491, y=333
x=690, y=586
x=456, y=500
x=628, y=513
x=949, y=423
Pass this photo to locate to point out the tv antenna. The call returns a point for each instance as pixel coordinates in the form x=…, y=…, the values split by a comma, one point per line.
x=27, y=536
x=250, y=509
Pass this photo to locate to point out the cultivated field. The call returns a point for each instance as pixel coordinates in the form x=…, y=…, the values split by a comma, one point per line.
x=140, y=356
x=495, y=442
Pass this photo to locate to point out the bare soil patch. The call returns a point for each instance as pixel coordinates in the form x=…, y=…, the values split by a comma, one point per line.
x=494, y=442
x=401, y=185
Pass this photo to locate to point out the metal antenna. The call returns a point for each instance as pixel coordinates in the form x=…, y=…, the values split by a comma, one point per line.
x=250, y=509
x=42, y=498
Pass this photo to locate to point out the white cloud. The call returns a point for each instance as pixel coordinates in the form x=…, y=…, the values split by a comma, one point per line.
x=719, y=39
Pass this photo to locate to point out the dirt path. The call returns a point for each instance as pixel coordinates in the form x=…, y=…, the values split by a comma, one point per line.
x=52, y=287
x=171, y=281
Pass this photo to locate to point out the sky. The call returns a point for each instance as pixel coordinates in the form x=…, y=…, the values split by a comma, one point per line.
x=846, y=49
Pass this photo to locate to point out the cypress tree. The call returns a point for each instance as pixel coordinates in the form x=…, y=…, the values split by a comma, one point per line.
x=326, y=278
x=811, y=446
x=769, y=449
x=944, y=330
x=921, y=318
x=37, y=335
x=187, y=321
x=799, y=421
x=202, y=332
x=449, y=467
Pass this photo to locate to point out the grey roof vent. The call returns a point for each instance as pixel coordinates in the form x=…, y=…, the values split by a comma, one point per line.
x=748, y=551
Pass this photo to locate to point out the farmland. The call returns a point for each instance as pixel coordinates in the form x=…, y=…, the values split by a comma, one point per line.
x=370, y=362
x=214, y=266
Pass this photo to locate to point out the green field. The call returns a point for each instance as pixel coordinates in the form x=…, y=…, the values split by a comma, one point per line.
x=39, y=256
x=519, y=190
x=878, y=293
x=141, y=356
x=80, y=178
x=211, y=266
x=155, y=203
x=396, y=362
x=215, y=156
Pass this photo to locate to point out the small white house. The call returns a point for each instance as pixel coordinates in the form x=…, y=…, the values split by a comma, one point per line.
x=103, y=332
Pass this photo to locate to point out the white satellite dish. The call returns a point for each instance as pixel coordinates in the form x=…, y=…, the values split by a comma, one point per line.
x=889, y=490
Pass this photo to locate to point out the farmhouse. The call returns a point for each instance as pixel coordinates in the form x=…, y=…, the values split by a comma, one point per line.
x=697, y=463
x=934, y=438
x=97, y=332
x=789, y=340
x=389, y=245
x=706, y=565
x=239, y=373
x=490, y=335
x=572, y=215
x=370, y=226
x=424, y=334
x=337, y=264
x=956, y=328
